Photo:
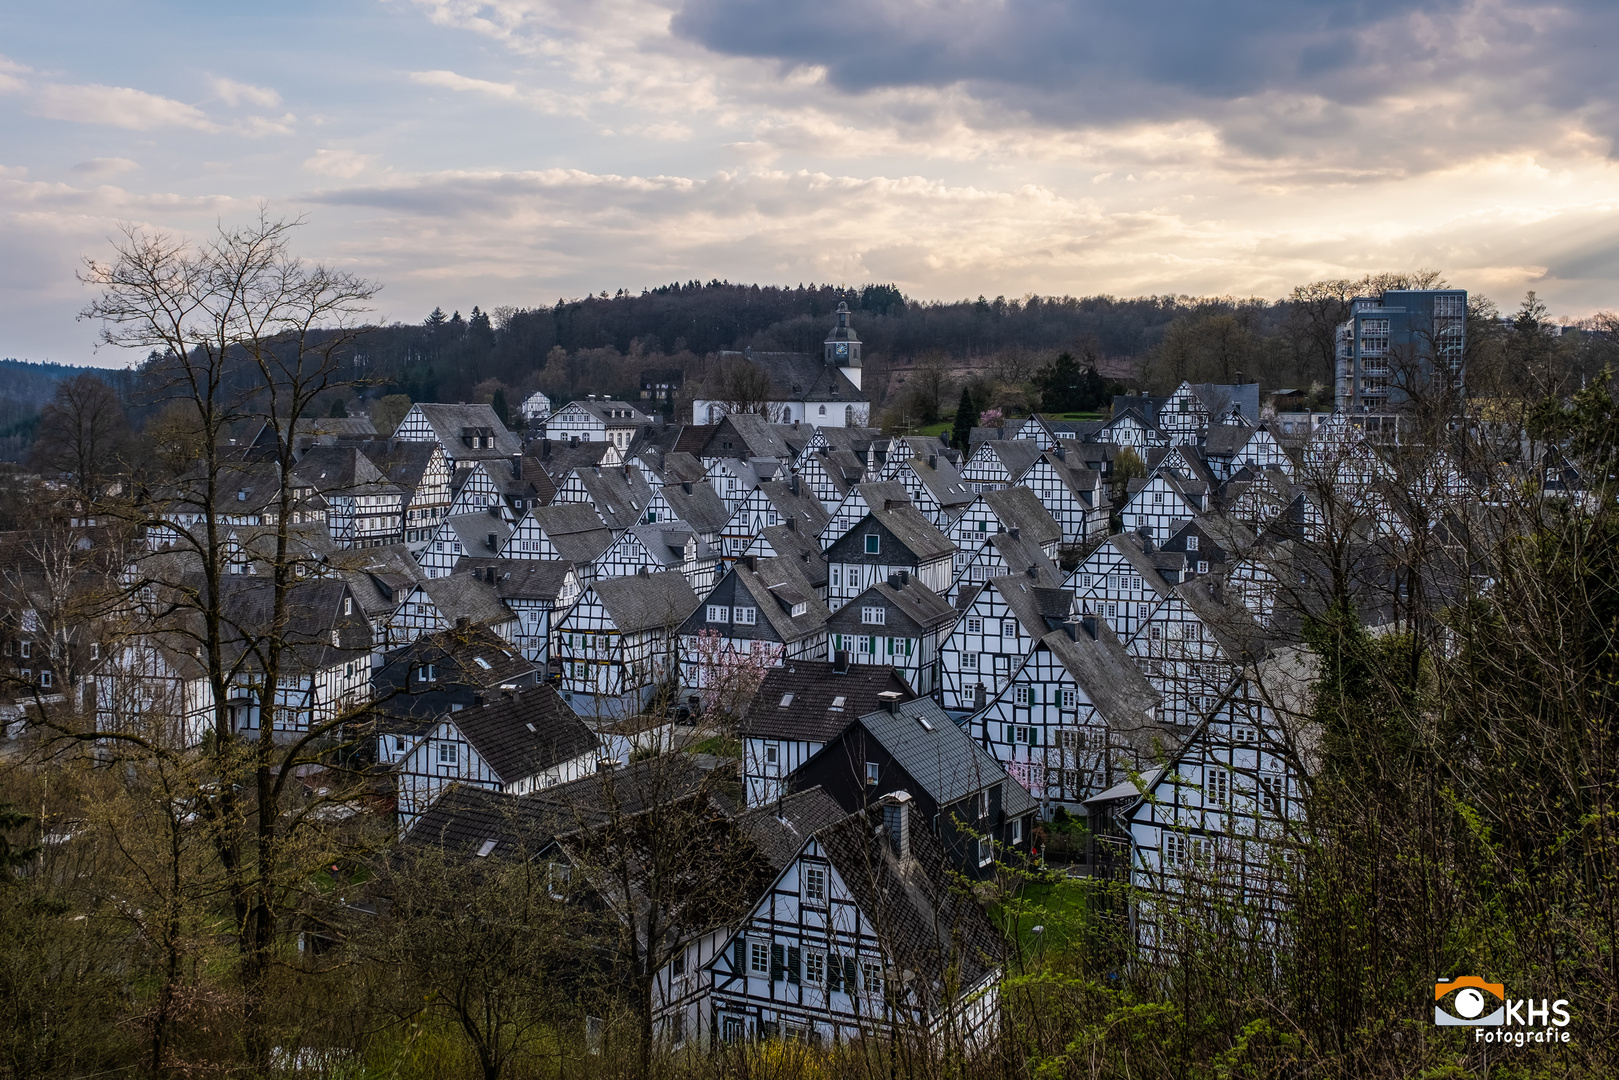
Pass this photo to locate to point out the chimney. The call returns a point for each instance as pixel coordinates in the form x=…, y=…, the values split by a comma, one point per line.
x=545, y=447
x=643, y=572
x=1239, y=378
x=491, y=541
x=840, y=661
x=897, y=822
x=1062, y=455
x=888, y=701
x=1014, y=532
x=933, y=461
x=1088, y=624
x=792, y=524
x=904, y=577
x=747, y=562
x=893, y=581
x=685, y=485
x=792, y=483
x=494, y=510
x=1033, y=571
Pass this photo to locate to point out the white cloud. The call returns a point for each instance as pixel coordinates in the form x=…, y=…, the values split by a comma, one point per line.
x=117, y=106
x=105, y=166
x=343, y=164
x=232, y=92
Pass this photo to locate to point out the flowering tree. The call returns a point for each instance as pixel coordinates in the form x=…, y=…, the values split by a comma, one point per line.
x=728, y=677
x=991, y=418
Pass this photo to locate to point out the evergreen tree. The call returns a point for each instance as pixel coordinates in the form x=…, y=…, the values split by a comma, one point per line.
x=498, y=403
x=339, y=410
x=436, y=319
x=966, y=413
x=12, y=857
x=1061, y=384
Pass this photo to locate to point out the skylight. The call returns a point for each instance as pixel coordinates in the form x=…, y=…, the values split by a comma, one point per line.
x=927, y=725
x=837, y=704
x=481, y=662
x=786, y=700
x=488, y=846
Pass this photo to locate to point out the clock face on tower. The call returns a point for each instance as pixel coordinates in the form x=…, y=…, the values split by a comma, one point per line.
x=841, y=350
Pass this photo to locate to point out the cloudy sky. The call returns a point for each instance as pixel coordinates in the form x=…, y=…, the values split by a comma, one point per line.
x=516, y=151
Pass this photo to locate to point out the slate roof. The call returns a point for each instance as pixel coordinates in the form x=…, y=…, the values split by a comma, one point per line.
x=646, y=602
x=518, y=579
x=448, y=421
x=1019, y=553
x=612, y=413
x=473, y=530
x=940, y=477
x=814, y=687
x=941, y=757
x=801, y=505
x=1020, y=508
x=525, y=732
x=462, y=596
x=1239, y=635
x=665, y=541
x=697, y=504
x=802, y=377
x=465, y=647
x=1039, y=608
x=914, y=532
x=1218, y=398
x=789, y=542
x=693, y=437
x=777, y=586
x=779, y=831
x=1111, y=678
x=1226, y=440
x=1145, y=406
x=919, y=608
x=619, y=499
x=558, y=458
x=379, y=577
x=856, y=440
x=749, y=435
x=576, y=530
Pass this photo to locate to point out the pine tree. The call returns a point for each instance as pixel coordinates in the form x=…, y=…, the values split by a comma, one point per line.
x=498, y=403
x=339, y=410
x=436, y=319
x=966, y=413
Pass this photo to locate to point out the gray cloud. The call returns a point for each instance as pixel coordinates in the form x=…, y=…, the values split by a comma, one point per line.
x=1101, y=61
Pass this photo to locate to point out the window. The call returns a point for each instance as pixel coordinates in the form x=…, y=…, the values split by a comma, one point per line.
x=1069, y=699
x=446, y=753
x=759, y=957
x=871, y=772
x=837, y=576
x=986, y=851
x=772, y=753
x=1191, y=543
x=1017, y=831
x=745, y=616
x=1217, y=787
x=873, y=615
x=717, y=613
x=25, y=649
x=1271, y=790
x=1155, y=632
x=1202, y=566
x=1112, y=611
x=969, y=661
x=837, y=704
x=1020, y=695
x=815, y=962
x=975, y=626
x=815, y=884
x=1028, y=736
x=1008, y=628
x=873, y=973
x=45, y=679
x=1158, y=496
x=823, y=411
x=874, y=544
x=1243, y=736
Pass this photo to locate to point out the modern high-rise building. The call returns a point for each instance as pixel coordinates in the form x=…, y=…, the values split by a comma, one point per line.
x=1395, y=342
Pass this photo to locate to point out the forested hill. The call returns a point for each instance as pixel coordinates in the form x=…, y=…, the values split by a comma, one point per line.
x=607, y=341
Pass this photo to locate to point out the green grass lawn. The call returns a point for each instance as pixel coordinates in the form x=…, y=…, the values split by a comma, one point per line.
x=1053, y=902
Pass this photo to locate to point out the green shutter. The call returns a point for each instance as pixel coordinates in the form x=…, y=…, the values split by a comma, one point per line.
x=794, y=959
x=739, y=956
x=778, y=962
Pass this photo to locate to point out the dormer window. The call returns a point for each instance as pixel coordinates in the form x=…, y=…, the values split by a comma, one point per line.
x=874, y=544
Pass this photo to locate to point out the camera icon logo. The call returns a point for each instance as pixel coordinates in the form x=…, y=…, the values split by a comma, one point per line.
x=1472, y=995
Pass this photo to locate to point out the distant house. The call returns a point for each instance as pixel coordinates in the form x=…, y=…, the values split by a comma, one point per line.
x=1000, y=625
x=441, y=672
x=466, y=433
x=535, y=408
x=820, y=390
x=598, y=420
x=798, y=708
x=533, y=590
x=962, y=794
x=999, y=463
x=521, y=742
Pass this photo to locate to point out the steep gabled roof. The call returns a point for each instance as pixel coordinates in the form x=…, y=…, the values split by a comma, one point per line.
x=1110, y=677
x=462, y=596
x=811, y=701
x=484, y=659
x=449, y=421
x=646, y=602
x=940, y=756
x=518, y=579
x=780, y=830
x=802, y=377
x=919, y=607
x=1020, y=508
x=1015, y=455
x=575, y=529
x=913, y=531
x=475, y=529
x=525, y=732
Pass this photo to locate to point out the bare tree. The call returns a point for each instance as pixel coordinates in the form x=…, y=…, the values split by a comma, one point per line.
x=83, y=435
x=739, y=385
x=244, y=333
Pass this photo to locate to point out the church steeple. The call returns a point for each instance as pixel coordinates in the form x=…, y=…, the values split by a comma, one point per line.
x=843, y=346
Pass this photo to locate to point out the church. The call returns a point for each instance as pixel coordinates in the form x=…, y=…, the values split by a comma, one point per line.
x=823, y=391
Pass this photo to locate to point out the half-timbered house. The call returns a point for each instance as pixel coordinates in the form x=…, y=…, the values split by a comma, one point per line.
x=933, y=485
x=1075, y=496
x=762, y=610
x=593, y=420
x=864, y=898
x=1001, y=623
x=772, y=503
x=1223, y=815
x=1075, y=716
x=533, y=590
x=891, y=537
x=1157, y=502
x=520, y=742
x=1230, y=447
x=466, y=433
x=483, y=534
x=999, y=463
x=999, y=554
x=618, y=642
x=567, y=532
x=1192, y=644
x=898, y=622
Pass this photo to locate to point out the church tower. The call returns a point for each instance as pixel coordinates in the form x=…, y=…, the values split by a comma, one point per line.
x=843, y=346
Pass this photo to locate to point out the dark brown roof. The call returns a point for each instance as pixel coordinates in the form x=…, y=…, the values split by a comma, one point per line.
x=525, y=732
x=810, y=690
